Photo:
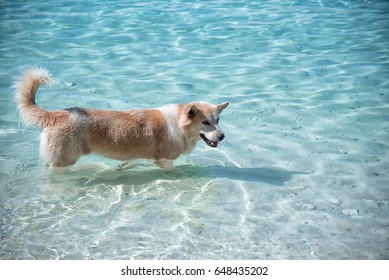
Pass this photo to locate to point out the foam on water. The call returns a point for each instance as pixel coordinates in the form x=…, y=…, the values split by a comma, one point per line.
x=302, y=173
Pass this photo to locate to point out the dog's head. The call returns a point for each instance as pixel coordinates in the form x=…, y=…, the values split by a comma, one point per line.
x=203, y=121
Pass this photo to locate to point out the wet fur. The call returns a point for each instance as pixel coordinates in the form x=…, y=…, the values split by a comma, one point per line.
x=161, y=134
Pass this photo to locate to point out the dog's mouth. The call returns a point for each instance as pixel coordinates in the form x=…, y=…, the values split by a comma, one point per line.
x=209, y=142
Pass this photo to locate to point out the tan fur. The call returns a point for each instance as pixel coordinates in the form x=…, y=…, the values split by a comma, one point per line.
x=160, y=134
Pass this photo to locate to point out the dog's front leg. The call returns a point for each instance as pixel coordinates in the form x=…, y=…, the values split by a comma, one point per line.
x=123, y=165
x=165, y=164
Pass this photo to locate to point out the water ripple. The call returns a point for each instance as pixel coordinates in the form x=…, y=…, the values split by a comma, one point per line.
x=302, y=173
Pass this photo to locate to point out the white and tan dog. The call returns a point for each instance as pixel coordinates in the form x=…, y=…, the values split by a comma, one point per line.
x=161, y=134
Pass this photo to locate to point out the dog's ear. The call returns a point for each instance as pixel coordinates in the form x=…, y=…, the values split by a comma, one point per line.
x=192, y=111
x=222, y=106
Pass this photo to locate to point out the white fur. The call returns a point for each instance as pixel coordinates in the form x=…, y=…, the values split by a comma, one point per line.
x=170, y=112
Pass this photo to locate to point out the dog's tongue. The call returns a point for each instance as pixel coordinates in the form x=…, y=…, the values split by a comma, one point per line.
x=212, y=144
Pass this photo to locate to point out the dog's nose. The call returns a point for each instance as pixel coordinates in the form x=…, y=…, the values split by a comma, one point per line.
x=221, y=137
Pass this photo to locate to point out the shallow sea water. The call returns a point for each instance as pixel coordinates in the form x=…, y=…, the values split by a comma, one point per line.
x=302, y=174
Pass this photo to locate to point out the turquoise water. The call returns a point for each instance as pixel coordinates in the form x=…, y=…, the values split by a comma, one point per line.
x=302, y=174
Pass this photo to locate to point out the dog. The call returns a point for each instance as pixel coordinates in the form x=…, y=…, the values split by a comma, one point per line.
x=160, y=134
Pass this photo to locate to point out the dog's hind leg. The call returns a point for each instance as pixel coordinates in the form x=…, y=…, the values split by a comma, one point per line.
x=58, y=152
x=165, y=164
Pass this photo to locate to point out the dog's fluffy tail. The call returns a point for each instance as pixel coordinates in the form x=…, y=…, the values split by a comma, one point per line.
x=25, y=89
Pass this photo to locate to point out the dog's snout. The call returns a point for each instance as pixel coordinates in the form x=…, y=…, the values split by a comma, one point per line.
x=221, y=136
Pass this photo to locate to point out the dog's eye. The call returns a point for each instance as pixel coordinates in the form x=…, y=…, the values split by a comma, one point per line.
x=206, y=122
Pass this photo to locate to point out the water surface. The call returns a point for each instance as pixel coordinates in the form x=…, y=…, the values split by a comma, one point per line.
x=302, y=173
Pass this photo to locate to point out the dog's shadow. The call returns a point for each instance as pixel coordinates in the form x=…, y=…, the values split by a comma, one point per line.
x=271, y=176
x=140, y=174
